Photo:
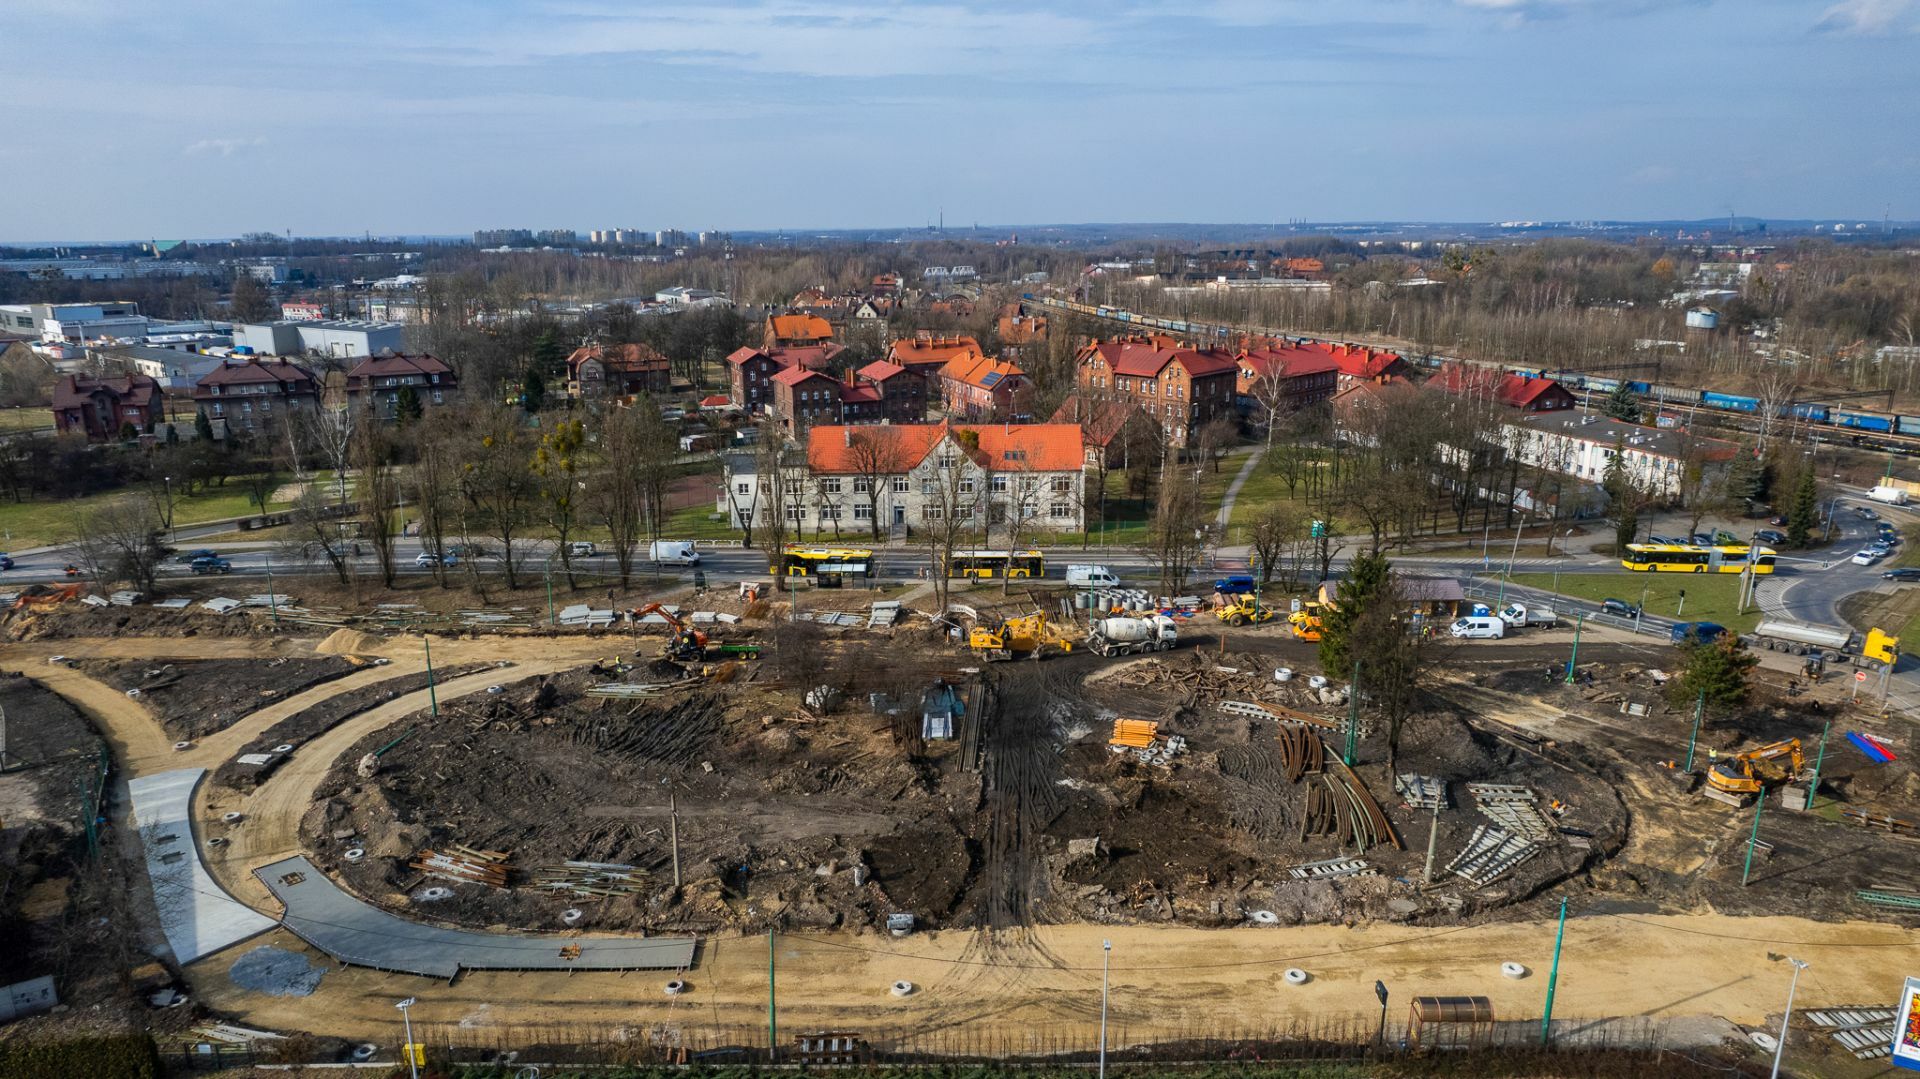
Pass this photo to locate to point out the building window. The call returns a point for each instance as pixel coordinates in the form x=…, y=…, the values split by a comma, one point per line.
x=862, y=485
x=999, y=485
x=829, y=513
x=930, y=513
x=1059, y=511
x=743, y=488
x=963, y=513
x=793, y=488
x=830, y=485
x=899, y=485
x=796, y=513
x=863, y=513
x=1026, y=484
x=1063, y=485
x=966, y=487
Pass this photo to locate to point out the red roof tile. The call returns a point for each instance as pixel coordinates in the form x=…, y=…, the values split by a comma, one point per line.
x=881, y=370
x=794, y=376
x=1136, y=358
x=1040, y=447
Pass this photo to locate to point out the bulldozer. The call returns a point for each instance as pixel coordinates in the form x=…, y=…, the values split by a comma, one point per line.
x=1029, y=636
x=1756, y=769
x=1306, y=621
x=1244, y=610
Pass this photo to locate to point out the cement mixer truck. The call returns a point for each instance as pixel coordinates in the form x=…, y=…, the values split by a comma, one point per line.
x=1123, y=635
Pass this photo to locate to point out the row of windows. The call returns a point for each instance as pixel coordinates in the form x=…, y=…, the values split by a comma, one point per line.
x=998, y=484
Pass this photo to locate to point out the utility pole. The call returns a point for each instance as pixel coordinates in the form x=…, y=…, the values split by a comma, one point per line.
x=1753, y=840
x=1353, y=717
x=1553, y=976
x=433, y=697
x=1106, y=967
x=1699, y=706
x=1515, y=554
x=673, y=831
x=1813, y=789
x=1780, y=1046
x=1433, y=841
x=1578, y=621
x=273, y=601
x=773, y=1026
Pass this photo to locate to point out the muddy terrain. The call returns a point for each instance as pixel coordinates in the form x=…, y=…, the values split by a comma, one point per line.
x=195, y=698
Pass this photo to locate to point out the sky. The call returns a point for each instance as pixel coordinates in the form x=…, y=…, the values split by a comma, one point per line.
x=205, y=118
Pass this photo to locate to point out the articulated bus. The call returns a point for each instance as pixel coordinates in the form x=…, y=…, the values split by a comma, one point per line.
x=1675, y=558
x=987, y=565
x=833, y=565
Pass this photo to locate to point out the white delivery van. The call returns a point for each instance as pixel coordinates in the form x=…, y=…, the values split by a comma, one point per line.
x=674, y=552
x=582, y=549
x=1480, y=627
x=1892, y=496
x=1091, y=577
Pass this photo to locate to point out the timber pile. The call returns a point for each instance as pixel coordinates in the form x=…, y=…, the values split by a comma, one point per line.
x=590, y=880
x=464, y=865
x=1896, y=825
x=1133, y=733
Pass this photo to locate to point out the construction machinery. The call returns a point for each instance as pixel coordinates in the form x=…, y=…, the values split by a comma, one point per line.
x=1124, y=635
x=688, y=644
x=1753, y=771
x=1027, y=636
x=1243, y=610
x=1306, y=621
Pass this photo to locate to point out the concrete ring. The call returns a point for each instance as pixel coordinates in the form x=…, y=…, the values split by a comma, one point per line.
x=1513, y=970
x=1263, y=917
x=1296, y=976
x=901, y=989
x=676, y=987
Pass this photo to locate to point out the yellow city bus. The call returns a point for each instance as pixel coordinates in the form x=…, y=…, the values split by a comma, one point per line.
x=1686, y=558
x=832, y=565
x=987, y=565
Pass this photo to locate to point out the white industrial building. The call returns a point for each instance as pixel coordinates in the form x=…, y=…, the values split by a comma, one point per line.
x=343, y=338
x=77, y=322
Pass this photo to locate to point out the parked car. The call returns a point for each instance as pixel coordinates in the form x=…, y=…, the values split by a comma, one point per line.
x=425, y=558
x=1865, y=513
x=1906, y=574
x=1480, y=628
x=1619, y=607
x=191, y=557
x=212, y=565
x=1666, y=541
x=1866, y=558
x=1768, y=535
x=582, y=549
x=1776, y=519
x=6, y=561
x=1703, y=539
x=1237, y=585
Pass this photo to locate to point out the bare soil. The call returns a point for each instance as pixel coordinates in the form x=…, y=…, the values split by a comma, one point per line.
x=194, y=698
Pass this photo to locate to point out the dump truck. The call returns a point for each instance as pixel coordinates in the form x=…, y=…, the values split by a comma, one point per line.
x=1029, y=636
x=1306, y=621
x=1124, y=635
x=1801, y=638
x=1244, y=610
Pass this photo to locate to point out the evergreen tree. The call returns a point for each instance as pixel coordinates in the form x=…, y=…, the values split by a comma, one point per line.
x=549, y=355
x=1366, y=580
x=1745, y=480
x=533, y=390
x=1623, y=404
x=203, y=428
x=1626, y=524
x=1719, y=670
x=407, y=406
x=1805, y=514
x=1625, y=500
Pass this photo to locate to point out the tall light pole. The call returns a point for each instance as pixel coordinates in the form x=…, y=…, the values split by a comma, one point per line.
x=1780, y=1049
x=413, y=1066
x=1106, y=966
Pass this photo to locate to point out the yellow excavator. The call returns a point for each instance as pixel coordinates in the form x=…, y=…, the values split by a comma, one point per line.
x=1028, y=636
x=1244, y=610
x=1756, y=769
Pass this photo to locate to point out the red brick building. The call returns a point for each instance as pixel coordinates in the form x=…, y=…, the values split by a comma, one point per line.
x=98, y=408
x=1181, y=388
x=618, y=371
x=1527, y=394
x=976, y=387
x=1114, y=432
x=784, y=331
x=251, y=396
x=903, y=393
x=1284, y=379
x=751, y=370
x=927, y=353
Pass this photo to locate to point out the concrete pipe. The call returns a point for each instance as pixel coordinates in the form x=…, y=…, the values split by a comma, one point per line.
x=1765, y=1041
x=354, y=854
x=364, y=1051
x=676, y=987
x=1513, y=971
x=572, y=915
x=284, y=747
x=1296, y=976
x=433, y=894
x=182, y=745
x=134, y=692
x=233, y=818
x=1284, y=674
x=902, y=989
x=1263, y=917
x=496, y=690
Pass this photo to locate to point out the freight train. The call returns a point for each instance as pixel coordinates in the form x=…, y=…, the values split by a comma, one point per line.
x=1860, y=426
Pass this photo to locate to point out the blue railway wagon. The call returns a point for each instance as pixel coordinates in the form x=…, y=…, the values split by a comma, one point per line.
x=1729, y=401
x=1863, y=421
x=1639, y=387
x=1909, y=425
x=1816, y=413
x=1677, y=395
x=1602, y=385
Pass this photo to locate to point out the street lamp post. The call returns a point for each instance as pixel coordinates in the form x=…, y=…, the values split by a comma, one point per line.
x=413, y=1066
x=1780, y=1048
x=1380, y=1039
x=1579, y=620
x=1106, y=967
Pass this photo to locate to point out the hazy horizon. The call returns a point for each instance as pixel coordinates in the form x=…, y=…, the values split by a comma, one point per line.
x=438, y=120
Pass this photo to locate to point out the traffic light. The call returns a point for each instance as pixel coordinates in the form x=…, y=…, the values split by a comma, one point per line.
x=1880, y=646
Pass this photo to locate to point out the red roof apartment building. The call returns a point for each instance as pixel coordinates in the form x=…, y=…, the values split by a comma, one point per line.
x=1181, y=388
x=927, y=353
x=1285, y=379
x=751, y=370
x=880, y=393
x=975, y=387
x=98, y=408
x=252, y=395
x=1528, y=394
x=375, y=382
x=784, y=331
x=618, y=370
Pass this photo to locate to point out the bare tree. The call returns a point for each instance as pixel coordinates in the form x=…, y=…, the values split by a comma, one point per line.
x=877, y=455
x=556, y=467
x=1214, y=438
x=613, y=491
x=778, y=491
x=496, y=481
x=1272, y=391
x=950, y=481
x=119, y=541
x=1277, y=539
x=433, y=485
x=1176, y=535
x=1395, y=661
x=314, y=533
x=379, y=490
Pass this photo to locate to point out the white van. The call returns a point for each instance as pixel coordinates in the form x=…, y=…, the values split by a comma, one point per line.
x=582, y=549
x=674, y=552
x=1480, y=627
x=1091, y=577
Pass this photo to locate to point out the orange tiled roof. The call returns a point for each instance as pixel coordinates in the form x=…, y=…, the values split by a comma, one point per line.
x=789, y=327
x=1041, y=447
x=924, y=350
x=977, y=370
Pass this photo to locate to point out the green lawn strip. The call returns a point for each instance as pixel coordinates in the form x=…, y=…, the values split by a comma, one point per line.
x=1710, y=597
x=25, y=419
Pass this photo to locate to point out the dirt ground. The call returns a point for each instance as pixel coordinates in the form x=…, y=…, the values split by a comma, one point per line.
x=195, y=698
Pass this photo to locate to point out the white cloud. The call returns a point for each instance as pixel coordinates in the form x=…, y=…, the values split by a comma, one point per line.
x=223, y=147
x=1867, y=17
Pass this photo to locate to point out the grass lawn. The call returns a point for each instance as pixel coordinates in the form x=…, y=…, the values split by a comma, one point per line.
x=36, y=524
x=25, y=419
x=1710, y=597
